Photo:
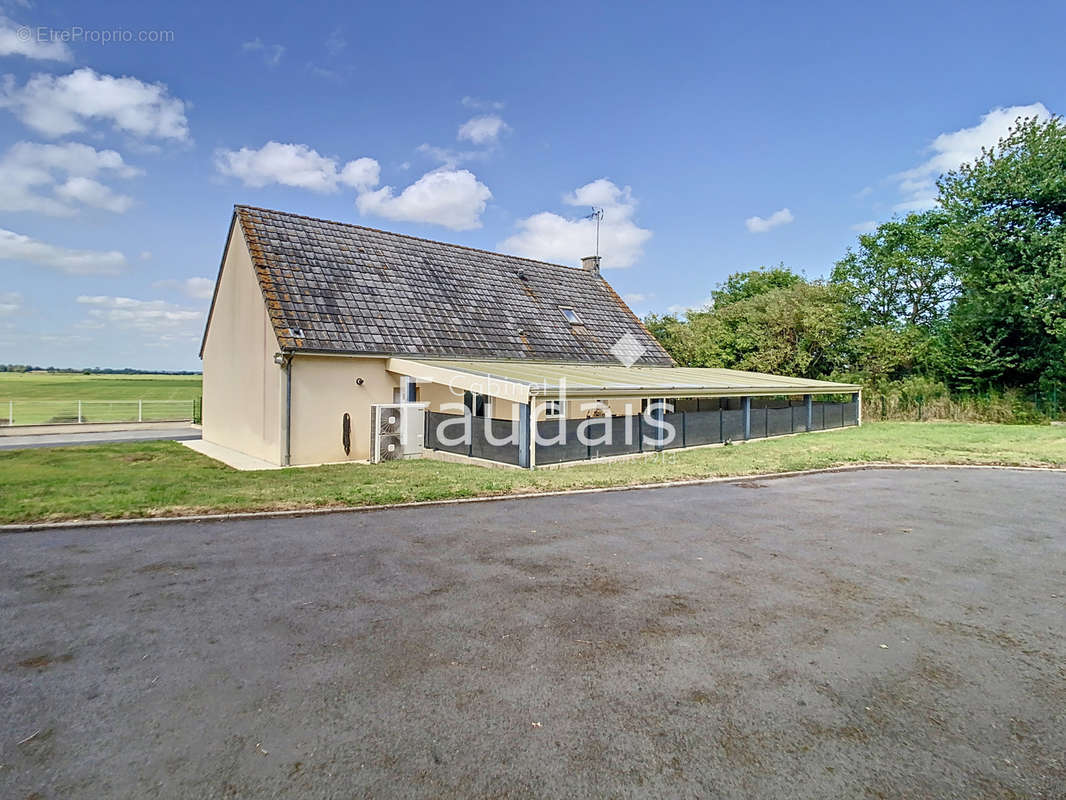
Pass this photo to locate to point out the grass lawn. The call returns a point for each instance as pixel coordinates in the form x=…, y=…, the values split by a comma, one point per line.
x=54, y=397
x=165, y=478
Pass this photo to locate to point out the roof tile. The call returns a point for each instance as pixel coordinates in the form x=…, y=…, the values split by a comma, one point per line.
x=351, y=289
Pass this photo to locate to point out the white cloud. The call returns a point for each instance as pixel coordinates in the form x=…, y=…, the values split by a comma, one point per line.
x=95, y=194
x=17, y=247
x=196, y=288
x=633, y=298
x=951, y=150
x=157, y=318
x=24, y=40
x=482, y=105
x=146, y=255
x=764, y=224
x=483, y=130
x=363, y=173
x=864, y=192
x=449, y=197
x=296, y=165
x=869, y=226
x=335, y=42
x=30, y=175
x=448, y=158
x=271, y=53
x=681, y=309
x=452, y=198
x=10, y=303
x=550, y=237
x=61, y=105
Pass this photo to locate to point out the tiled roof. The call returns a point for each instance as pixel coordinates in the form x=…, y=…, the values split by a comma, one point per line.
x=335, y=287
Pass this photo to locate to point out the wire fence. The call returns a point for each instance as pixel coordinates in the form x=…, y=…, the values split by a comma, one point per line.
x=1012, y=406
x=45, y=412
x=559, y=439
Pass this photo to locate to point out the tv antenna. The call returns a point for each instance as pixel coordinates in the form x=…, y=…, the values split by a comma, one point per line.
x=597, y=214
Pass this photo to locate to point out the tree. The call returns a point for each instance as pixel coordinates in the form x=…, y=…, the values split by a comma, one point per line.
x=799, y=330
x=1005, y=235
x=889, y=353
x=673, y=334
x=745, y=285
x=898, y=276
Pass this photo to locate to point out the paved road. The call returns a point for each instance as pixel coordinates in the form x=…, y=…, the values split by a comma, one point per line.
x=874, y=634
x=182, y=433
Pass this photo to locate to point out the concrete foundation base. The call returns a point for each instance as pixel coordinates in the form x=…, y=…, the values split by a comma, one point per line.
x=231, y=458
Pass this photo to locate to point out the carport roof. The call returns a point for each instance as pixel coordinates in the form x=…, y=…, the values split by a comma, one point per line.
x=515, y=379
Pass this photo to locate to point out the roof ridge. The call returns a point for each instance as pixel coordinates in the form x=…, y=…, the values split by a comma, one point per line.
x=409, y=236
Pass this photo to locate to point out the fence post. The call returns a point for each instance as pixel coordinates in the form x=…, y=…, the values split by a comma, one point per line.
x=10, y=412
x=808, y=400
x=79, y=411
x=140, y=411
x=747, y=417
x=523, y=435
x=658, y=412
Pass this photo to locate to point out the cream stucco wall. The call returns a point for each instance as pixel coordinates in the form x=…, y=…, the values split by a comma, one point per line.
x=324, y=389
x=242, y=383
x=437, y=395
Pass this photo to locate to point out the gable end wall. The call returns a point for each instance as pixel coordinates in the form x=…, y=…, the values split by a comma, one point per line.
x=242, y=384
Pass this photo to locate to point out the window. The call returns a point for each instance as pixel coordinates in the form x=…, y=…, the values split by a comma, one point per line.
x=552, y=408
x=571, y=315
x=477, y=404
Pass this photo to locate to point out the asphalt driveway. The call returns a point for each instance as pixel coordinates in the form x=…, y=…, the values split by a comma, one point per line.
x=875, y=634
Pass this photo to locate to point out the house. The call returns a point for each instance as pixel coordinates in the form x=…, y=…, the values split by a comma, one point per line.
x=313, y=323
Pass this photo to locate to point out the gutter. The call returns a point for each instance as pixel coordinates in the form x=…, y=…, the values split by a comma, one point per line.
x=284, y=360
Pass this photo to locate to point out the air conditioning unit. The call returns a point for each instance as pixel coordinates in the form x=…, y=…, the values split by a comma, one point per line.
x=397, y=430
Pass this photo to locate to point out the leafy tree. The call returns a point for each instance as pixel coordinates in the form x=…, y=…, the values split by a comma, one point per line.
x=745, y=285
x=800, y=329
x=898, y=276
x=673, y=334
x=889, y=353
x=1005, y=235
x=972, y=358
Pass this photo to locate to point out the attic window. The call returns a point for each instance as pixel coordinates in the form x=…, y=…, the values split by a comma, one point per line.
x=296, y=333
x=571, y=315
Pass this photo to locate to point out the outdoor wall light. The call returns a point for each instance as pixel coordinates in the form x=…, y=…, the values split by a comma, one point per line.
x=358, y=381
x=279, y=359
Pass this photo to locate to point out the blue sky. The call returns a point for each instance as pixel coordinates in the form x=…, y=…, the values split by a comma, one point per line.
x=716, y=137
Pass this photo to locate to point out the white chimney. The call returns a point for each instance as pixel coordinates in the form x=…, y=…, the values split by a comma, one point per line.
x=591, y=263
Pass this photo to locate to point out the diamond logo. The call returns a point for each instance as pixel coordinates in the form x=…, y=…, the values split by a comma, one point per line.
x=628, y=350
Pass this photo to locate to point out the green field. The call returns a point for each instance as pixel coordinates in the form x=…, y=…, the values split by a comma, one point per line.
x=34, y=398
x=165, y=478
